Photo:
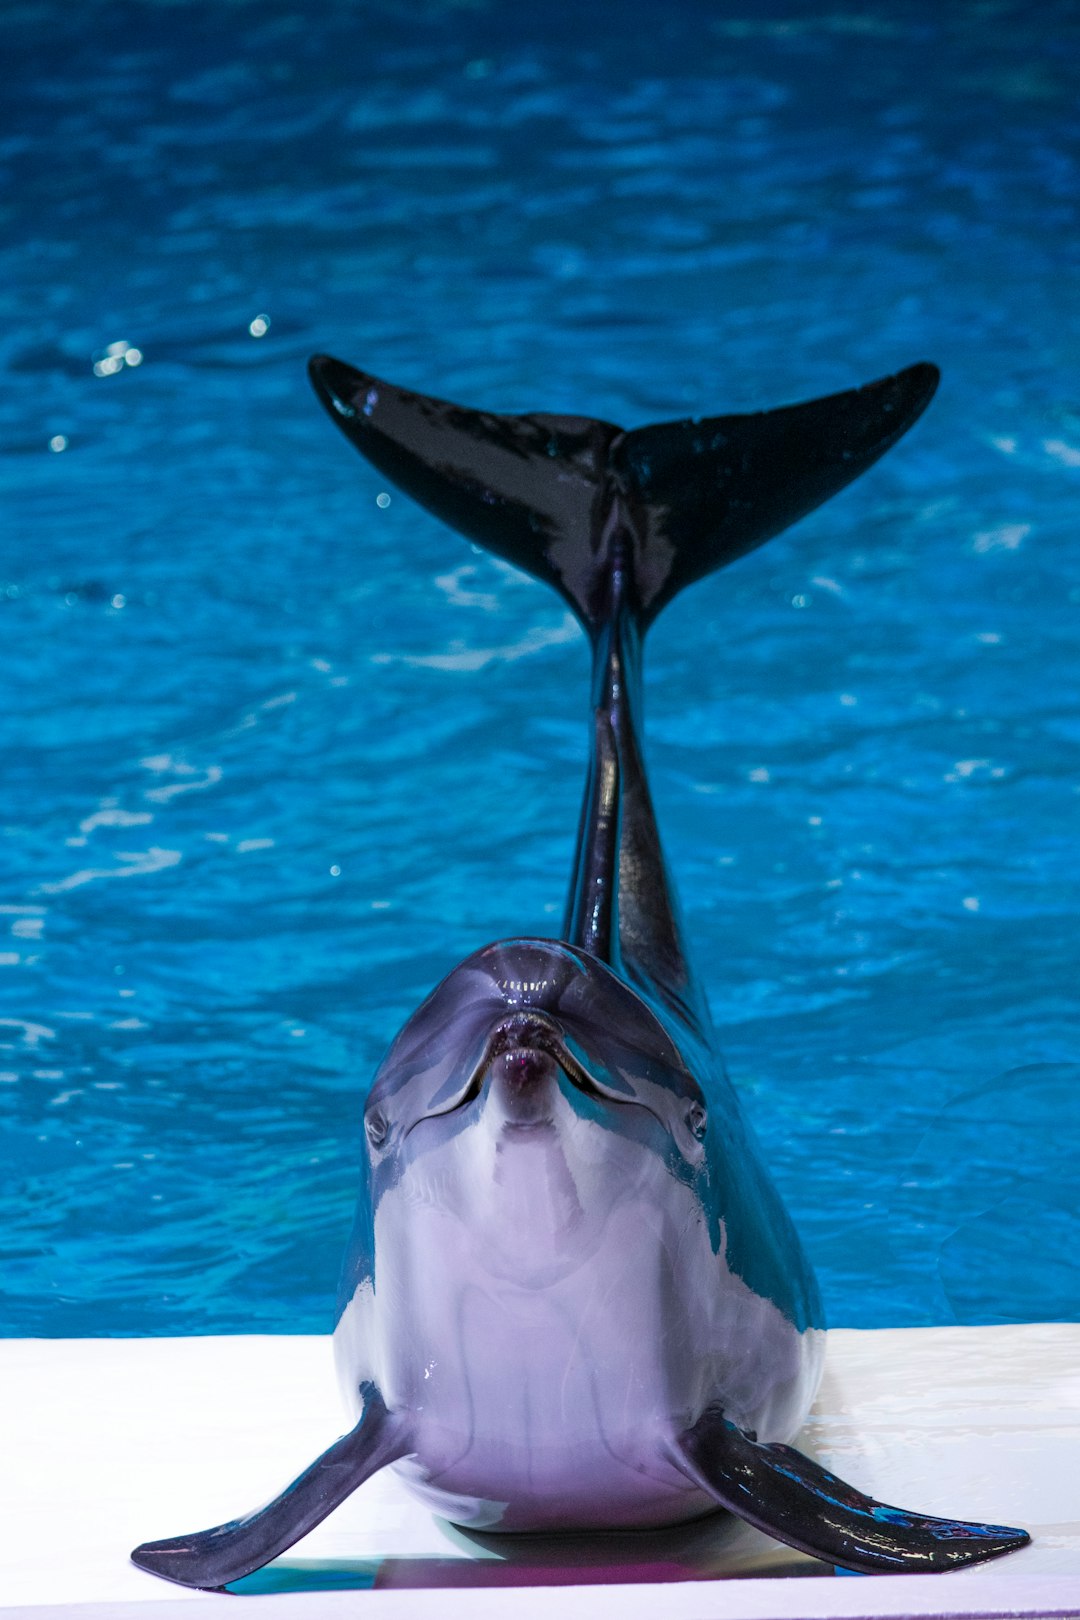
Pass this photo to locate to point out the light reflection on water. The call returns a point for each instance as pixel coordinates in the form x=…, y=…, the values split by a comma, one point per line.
x=331, y=750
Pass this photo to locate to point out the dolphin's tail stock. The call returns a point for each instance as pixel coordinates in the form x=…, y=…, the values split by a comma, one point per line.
x=619, y=522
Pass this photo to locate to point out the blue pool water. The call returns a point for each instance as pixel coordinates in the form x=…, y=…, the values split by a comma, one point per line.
x=229, y=673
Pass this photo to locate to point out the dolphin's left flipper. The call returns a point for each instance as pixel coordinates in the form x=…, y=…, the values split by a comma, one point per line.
x=782, y=1492
x=211, y=1558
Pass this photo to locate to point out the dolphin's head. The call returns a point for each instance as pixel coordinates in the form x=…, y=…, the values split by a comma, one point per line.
x=515, y=1027
x=528, y=1094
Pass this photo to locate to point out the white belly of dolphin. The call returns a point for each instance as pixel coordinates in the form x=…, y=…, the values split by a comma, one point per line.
x=545, y=1360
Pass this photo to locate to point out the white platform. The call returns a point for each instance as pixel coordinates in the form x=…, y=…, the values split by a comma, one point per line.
x=108, y=1442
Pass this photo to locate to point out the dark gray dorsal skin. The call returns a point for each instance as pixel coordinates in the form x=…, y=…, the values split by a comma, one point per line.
x=573, y=1298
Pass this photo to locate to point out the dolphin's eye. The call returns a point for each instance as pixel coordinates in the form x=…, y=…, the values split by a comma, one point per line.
x=376, y=1127
x=697, y=1119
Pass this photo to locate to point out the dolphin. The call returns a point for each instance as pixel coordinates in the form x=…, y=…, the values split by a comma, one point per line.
x=573, y=1298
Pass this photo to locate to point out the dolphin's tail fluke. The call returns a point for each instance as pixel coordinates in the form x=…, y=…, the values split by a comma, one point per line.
x=563, y=496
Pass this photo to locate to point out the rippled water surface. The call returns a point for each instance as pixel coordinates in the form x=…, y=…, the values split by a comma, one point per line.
x=276, y=754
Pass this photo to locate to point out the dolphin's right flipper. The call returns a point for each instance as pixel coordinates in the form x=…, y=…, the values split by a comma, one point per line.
x=790, y=1497
x=209, y=1559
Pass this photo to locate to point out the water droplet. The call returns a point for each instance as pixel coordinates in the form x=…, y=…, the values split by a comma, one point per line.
x=58, y=442
x=382, y=500
x=259, y=326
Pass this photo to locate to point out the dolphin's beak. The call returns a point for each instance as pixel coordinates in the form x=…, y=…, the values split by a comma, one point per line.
x=537, y=1033
x=523, y=1085
x=522, y=1056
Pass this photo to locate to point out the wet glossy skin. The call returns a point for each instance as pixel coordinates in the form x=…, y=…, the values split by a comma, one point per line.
x=572, y=1298
x=541, y=1279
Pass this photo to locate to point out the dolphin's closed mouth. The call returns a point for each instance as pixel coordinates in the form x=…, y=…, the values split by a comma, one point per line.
x=538, y=1032
x=534, y=1031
